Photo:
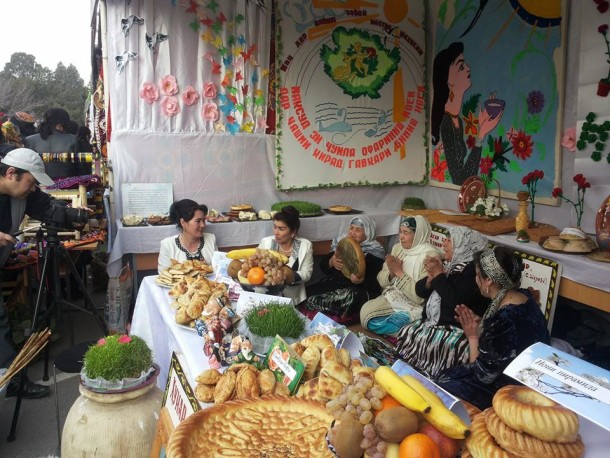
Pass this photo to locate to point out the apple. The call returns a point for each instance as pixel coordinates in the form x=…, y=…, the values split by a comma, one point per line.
x=449, y=447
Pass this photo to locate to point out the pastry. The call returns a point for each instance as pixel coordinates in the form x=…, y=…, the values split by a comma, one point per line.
x=328, y=387
x=340, y=208
x=572, y=233
x=317, y=340
x=528, y=411
x=344, y=357
x=209, y=377
x=268, y=426
x=553, y=242
x=246, y=384
x=266, y=381
x=242, y=208
x=577, y=246
x=329, y=353
x=337, y=371
x=204, y=393
x=481, y=444
x=526, y=445
x=311, y=358
x=225, y=388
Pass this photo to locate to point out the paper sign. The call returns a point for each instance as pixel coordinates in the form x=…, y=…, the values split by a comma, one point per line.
x=576, y=384
x=144, y=199
x=453, y=403
x=179, y=398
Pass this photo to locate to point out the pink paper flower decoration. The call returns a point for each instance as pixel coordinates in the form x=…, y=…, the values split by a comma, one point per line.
x=169, y=85
x=190, y=96
x=124, y=339
x=102, y=341
x=569, y=139
x=209, y=90
x=149, y=92
x=261, y=122
x=170, y=106
x=210, y=111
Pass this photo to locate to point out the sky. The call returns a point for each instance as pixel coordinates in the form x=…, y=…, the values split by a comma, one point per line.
x=52, y=31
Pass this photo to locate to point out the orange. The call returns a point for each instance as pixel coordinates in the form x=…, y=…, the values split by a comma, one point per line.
x=256, y=275
x=418, y=445
x=387, y=402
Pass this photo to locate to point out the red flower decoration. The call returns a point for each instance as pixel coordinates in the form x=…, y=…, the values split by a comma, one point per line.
x=603, y=29
x=102, y=341
x=485, y=165
x=470, y=142
x=124, y=339
x=603, y=7
x=471, y=124
x=438, y=172
x=557, y=192
x=522, y=145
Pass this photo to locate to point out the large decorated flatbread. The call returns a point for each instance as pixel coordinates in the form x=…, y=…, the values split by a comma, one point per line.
x=271, y=426
x=349, y=251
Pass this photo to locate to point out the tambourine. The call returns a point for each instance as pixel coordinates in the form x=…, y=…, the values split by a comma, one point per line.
x=350, y=253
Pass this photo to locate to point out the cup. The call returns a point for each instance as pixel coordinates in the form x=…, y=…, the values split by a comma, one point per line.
x=494, y=107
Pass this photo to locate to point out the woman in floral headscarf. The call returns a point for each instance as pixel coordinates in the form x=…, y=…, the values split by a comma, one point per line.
x=337, y=296
x=436, y=341
x=399, y=304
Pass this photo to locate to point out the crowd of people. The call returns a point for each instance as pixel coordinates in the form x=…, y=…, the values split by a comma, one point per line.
x=23, y=141
x=457, y=315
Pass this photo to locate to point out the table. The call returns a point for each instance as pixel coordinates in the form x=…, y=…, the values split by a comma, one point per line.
x=147, y=239
x=582, y=279
x=153, y=321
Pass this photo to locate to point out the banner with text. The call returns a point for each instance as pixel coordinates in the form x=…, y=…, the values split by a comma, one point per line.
x=350, y=95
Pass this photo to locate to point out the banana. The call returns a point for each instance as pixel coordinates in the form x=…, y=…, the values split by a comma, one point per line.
x=243, y=253
x=439, y=416
x=399, y=390
x=392, y=451
x=242, y=279
x=279, y=256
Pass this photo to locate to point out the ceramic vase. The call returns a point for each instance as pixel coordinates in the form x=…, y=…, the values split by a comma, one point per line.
x=112, y=424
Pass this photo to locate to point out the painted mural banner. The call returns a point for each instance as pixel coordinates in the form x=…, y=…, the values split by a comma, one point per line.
x=496, y=93
x=350, y=93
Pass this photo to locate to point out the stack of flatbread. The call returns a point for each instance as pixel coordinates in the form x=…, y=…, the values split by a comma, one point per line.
x=327, y=369
x=177, y=271
x=191, y=296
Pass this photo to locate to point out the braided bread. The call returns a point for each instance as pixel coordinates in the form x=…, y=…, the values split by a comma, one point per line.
x=528, y=411
x=525, y=445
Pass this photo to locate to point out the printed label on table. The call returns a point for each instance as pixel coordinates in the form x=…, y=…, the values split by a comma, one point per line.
x=576, y=384
x=179, y=398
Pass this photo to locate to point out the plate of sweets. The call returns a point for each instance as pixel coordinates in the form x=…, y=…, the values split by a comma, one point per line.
x=342, y=210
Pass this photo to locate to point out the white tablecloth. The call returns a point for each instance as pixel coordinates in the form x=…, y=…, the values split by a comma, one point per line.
x=153, y=321
x=575, y=267
x=146, y=239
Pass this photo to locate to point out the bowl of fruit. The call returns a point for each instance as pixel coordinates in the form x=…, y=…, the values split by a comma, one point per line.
x=259, y=270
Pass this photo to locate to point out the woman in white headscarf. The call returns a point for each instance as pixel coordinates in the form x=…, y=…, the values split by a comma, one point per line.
x=399, y=304
x=337, y=296
x=436, y=341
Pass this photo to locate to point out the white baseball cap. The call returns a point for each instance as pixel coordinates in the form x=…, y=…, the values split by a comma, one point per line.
x=30, y=161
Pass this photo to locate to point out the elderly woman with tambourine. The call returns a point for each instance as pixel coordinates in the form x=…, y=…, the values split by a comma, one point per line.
x=350, y=274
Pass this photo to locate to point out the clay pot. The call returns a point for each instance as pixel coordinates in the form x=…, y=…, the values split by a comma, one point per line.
x=112, y=424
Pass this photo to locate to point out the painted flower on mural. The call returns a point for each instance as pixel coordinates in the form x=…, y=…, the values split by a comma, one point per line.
x=439, y=167
x=535, y=102
x=170, y=106
x=169, y=85
x=471, y=142
x=190, y=96
x=210, y=112
x=149, y=92
x=490, y=164
x=485, y=165
x=471, y=124
x=522, y=145
x=209, y=90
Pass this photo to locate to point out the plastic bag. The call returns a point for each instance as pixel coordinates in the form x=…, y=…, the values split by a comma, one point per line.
x=118, y=301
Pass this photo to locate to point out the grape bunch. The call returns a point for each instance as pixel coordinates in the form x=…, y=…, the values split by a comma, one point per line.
x=358, y=400
x=274, y=274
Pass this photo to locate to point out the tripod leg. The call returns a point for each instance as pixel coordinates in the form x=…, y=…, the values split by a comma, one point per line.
x=89, y=302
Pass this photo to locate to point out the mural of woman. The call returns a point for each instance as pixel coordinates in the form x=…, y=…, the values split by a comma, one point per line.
x=450, y=81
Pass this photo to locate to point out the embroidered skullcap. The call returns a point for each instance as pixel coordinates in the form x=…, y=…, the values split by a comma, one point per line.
x=492, y=269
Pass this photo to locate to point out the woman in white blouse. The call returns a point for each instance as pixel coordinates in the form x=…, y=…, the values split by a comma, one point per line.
x=192, y=242
x=286, y=226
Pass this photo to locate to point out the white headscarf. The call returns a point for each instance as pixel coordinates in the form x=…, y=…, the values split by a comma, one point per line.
x=369, y=245
x=421, y=240
x=466, y=243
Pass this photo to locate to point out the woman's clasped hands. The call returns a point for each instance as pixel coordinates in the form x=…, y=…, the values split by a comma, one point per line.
x=468, y=320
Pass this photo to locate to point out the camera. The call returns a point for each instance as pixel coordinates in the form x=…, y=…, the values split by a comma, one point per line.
x=60, y=216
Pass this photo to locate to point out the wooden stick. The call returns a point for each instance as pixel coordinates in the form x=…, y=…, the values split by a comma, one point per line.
x=35, y=343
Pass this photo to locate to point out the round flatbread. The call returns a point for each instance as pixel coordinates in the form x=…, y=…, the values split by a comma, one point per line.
x=349, y=251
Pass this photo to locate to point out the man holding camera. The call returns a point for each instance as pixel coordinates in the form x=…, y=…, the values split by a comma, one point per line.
x=21, y=173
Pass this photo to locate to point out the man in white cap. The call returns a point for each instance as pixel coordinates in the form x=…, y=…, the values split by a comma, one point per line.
x=21, y=173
